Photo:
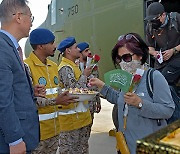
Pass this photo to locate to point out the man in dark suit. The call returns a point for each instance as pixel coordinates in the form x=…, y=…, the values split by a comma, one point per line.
x=19, y=126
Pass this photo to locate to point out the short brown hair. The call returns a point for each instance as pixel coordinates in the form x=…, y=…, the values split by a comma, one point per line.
x=136, y=46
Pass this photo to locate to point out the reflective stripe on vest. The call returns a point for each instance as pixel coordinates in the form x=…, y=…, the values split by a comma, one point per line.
x=52, y=91
x=43, y=117
x=80, y=108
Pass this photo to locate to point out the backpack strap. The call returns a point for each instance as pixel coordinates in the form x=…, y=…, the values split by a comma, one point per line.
x=149, y=84
x=149, y=81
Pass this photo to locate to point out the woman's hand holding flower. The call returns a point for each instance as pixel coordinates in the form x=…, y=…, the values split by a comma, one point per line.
x=132, y=99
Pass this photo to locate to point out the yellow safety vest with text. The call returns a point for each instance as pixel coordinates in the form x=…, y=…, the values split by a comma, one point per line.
x=72, y=120
x=46, y=75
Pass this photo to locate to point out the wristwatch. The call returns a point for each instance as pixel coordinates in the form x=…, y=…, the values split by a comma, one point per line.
x=140, y=105
x=175, y=51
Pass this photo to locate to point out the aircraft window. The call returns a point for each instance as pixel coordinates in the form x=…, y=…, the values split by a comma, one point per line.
x=53, y=12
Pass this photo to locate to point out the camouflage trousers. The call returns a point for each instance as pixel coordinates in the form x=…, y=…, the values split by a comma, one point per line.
x=74, y=142
x=48, y=146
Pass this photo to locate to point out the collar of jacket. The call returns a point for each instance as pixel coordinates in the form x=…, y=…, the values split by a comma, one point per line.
x=69, y=62
x=36, y=60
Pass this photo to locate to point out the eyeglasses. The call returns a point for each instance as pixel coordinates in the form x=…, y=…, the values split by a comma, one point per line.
x=127, y=37
x=155, y=18
x=126, y=58
x=31, y=17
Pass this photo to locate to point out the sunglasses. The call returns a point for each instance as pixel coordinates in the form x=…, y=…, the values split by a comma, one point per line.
x=126, y=58
x=156, y=18
x=127, y=37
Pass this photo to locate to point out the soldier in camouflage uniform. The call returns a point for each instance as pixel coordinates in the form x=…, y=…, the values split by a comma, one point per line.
x=74, y=122
x=95, y=103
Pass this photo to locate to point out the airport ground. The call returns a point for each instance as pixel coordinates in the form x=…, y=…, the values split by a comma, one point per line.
x=100, y=142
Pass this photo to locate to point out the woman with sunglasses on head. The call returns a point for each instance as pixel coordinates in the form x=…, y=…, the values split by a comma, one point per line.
x=131, y=53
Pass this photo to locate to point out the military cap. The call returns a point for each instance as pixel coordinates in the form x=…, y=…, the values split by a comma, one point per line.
x=82, y=46
x=41, y=36
x=154, y=10
x=66, y=43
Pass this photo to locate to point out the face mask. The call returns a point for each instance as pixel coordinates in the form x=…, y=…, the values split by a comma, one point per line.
x=156, y=23
x=131, y=66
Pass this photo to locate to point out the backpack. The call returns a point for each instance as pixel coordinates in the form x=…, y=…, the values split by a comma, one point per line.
x=176, y=98
x=173, y=21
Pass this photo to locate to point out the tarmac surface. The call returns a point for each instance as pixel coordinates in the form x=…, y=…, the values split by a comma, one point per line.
x=100, y=142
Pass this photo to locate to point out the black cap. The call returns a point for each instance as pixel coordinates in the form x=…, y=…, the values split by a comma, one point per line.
x=154, y=10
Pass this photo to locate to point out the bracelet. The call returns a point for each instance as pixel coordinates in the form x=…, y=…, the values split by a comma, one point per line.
x=175, y=51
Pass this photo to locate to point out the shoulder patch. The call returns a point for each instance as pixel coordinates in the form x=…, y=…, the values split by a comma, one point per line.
x=42, y=81
x=56, y=80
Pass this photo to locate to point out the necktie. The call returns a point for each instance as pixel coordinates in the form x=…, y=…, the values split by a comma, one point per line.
x=21, y=55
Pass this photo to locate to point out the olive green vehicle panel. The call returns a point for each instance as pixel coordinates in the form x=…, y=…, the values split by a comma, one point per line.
x=98, y=22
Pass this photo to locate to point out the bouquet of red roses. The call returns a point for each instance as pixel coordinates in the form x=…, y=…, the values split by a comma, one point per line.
x=92, y=60
x=95, y=61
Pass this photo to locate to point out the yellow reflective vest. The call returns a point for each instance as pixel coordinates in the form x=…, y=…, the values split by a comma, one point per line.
x=48, y=76
x=76, y=120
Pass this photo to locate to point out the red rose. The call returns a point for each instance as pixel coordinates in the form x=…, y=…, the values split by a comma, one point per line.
x=136, y=78
x=96, y=58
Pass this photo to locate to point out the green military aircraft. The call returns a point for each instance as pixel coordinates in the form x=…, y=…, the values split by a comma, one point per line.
x=99, y=22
